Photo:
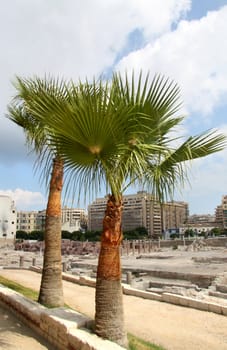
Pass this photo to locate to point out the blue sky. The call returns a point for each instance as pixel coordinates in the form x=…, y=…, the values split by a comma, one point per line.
x=185, y=40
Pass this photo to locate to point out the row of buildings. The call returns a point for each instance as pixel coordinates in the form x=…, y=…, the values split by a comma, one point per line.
x=140, y=210
x=73, y=219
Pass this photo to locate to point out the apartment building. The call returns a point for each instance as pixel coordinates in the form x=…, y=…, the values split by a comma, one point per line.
x=27, y=221
x=141, y=210
x=174, y=214
x=201, y=218
x=72, y=220
x=219, y=216
x=221, y=213
x=224, y=207
x=7, y=218
x=203, y=223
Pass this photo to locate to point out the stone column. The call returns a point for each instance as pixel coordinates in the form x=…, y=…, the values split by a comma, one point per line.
x=128, y=277
x=21, y=264
x=149, y=245
x=133, y=247
x=64, y=266
x=140, y=247
x=144, y=246
x=127, y=247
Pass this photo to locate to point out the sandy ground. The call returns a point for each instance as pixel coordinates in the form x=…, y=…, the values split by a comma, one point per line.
x=173, y=327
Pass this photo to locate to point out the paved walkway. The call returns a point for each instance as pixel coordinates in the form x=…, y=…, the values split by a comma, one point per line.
x=173, y=327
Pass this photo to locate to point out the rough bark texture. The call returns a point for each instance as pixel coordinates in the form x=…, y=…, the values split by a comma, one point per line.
x=51, y=289
x=109, y=317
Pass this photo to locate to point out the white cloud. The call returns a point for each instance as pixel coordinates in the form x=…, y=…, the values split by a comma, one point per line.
x=194, y=56
x=71, y=39
x=26, y=200
x=207, y=181
x=77, y=38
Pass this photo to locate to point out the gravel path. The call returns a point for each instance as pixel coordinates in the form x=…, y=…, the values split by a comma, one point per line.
x=173, y=327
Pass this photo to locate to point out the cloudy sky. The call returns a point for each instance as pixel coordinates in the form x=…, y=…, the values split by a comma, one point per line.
x=182, y=39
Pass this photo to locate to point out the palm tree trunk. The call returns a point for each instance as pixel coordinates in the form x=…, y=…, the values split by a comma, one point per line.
x=109, y=318
x=51, y=289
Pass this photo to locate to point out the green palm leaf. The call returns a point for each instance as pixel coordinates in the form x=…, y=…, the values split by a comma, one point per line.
x=117, y=132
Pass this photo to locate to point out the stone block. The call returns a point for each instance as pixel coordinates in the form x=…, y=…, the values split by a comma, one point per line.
x=216, y=308
x=218, y=294
x=224, y=310
x=221, y=288
x=198, y=304
x=64, y=319
x=141, y=293
x=175, y=299
x=87, y=281
x=70, y=278
x=79, y=339
x=28, y=308
x=184, y=302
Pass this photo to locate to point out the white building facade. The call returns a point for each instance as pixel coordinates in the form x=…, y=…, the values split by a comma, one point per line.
x=27, y=221
x=8, y=218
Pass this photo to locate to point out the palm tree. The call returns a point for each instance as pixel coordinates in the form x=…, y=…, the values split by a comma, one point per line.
x=22, y=112
x=119, y=133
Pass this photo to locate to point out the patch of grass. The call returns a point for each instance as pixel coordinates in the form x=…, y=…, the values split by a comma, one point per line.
x=27, y=292
x=135, y=343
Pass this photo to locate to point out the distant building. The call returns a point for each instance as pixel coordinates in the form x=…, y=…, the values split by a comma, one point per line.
x=41, y=220
x=221, y=213
x=224, y=208
x=219, y=216
x=174, y=215
x=141, y=210
x=199, y=223
x=202, y=218
x=7, y=218
x=198, y=228
x=27, y=221
x=72, y=220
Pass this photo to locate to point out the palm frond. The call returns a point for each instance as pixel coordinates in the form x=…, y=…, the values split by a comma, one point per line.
x=116, y=132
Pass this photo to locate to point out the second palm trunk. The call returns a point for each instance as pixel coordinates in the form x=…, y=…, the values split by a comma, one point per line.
x=109, y=316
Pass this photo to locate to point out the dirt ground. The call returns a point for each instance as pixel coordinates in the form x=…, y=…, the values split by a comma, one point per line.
x=173, y=327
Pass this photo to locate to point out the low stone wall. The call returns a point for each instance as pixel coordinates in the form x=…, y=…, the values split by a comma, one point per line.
x=62, y=327
x=210, y=242
x=165, y=297
x=178, y=300
x=201, y=280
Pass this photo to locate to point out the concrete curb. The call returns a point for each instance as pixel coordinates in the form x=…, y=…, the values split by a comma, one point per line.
x=62, y=327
